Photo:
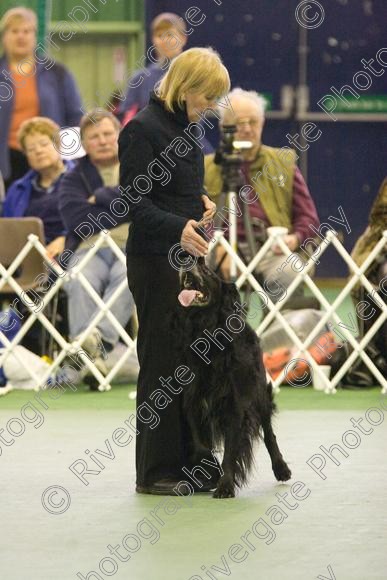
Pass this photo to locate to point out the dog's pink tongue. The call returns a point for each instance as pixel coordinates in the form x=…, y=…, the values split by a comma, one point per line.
x=186, y=297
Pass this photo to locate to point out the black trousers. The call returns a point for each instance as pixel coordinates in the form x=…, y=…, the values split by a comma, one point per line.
x=163, y=450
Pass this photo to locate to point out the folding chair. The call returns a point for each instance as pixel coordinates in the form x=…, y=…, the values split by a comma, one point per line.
x=14, y=234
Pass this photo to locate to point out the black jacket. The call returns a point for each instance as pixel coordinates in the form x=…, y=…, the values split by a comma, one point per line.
x=153, y=145
x=80, y=216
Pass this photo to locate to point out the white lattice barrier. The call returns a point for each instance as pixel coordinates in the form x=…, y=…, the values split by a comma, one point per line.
x=67, y=350
x=74, y=349
x=246, y=275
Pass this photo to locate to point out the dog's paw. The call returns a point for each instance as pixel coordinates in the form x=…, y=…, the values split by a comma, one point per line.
x=281, y=471
x=224, y=490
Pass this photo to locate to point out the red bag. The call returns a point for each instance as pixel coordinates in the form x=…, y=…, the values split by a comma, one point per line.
x=277, y=360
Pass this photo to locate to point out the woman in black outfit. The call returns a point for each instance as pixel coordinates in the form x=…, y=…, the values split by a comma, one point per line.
x=161, y=177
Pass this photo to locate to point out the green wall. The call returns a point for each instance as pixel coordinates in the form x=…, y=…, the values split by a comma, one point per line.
x=120, y=10
x=115, y=31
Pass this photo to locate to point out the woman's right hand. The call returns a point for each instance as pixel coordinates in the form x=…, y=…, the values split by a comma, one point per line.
x=191, y=241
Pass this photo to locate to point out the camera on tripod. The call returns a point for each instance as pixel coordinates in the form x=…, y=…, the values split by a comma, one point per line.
x=229, y=156
x=230, y=150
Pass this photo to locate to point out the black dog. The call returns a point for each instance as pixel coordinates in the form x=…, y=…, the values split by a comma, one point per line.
x=229, y=402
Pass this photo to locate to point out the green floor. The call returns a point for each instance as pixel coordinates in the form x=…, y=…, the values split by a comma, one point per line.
x=336, y=531
x=289, y=398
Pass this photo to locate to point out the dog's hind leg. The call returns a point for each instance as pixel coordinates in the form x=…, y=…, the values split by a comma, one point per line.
x=266, y=410
x=279, y=465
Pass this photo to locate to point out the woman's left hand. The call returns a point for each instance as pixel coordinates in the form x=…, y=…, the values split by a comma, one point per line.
x=209, y=210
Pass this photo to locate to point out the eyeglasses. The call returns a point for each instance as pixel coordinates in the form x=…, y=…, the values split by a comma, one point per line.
x=253, y=123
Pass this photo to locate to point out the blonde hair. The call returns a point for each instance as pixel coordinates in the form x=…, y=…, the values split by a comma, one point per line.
x=40, y=125
x=198, y=70
x=16, y=15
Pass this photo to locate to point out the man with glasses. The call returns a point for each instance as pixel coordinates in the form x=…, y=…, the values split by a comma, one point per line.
x=276, y=193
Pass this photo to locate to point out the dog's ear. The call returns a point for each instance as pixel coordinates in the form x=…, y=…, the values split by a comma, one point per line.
x=230, y=295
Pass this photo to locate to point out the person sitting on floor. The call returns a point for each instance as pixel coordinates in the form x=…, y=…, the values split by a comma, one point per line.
x=85, y=196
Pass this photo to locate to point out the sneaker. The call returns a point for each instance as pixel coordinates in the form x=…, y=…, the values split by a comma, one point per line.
x=63, y=377
x=92, y=344
x=5, y=389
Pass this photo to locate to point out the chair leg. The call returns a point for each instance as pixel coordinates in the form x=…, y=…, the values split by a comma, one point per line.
x=54, y=312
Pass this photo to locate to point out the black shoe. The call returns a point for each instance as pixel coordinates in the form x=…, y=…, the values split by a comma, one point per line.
x=168, y=487
x=163, y=487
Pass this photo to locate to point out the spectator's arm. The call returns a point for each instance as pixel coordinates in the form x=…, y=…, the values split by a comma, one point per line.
x=304, y=213
x=105, y=195
x=8, y=204
x=131, y=98
x=75, y=208
x=72, y=100
x=136, y=153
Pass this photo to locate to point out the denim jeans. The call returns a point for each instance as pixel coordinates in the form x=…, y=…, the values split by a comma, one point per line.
x=277, y=275
x=105, y=273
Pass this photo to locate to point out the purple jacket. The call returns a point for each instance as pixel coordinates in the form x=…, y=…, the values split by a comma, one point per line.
x=59, y=100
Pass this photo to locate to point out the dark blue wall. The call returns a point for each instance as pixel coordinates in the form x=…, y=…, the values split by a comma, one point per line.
x=259, y=43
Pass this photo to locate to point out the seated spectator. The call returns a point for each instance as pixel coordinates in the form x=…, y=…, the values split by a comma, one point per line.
x=377, y=275
x=85, y=196
x=280, y=201
x=36, y=85
x=169, y=39
x=36, y=193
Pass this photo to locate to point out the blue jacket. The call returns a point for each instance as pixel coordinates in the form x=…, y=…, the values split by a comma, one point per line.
x=19, y=194
x=59, y=100
x=142, y=84
x=75, y=189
